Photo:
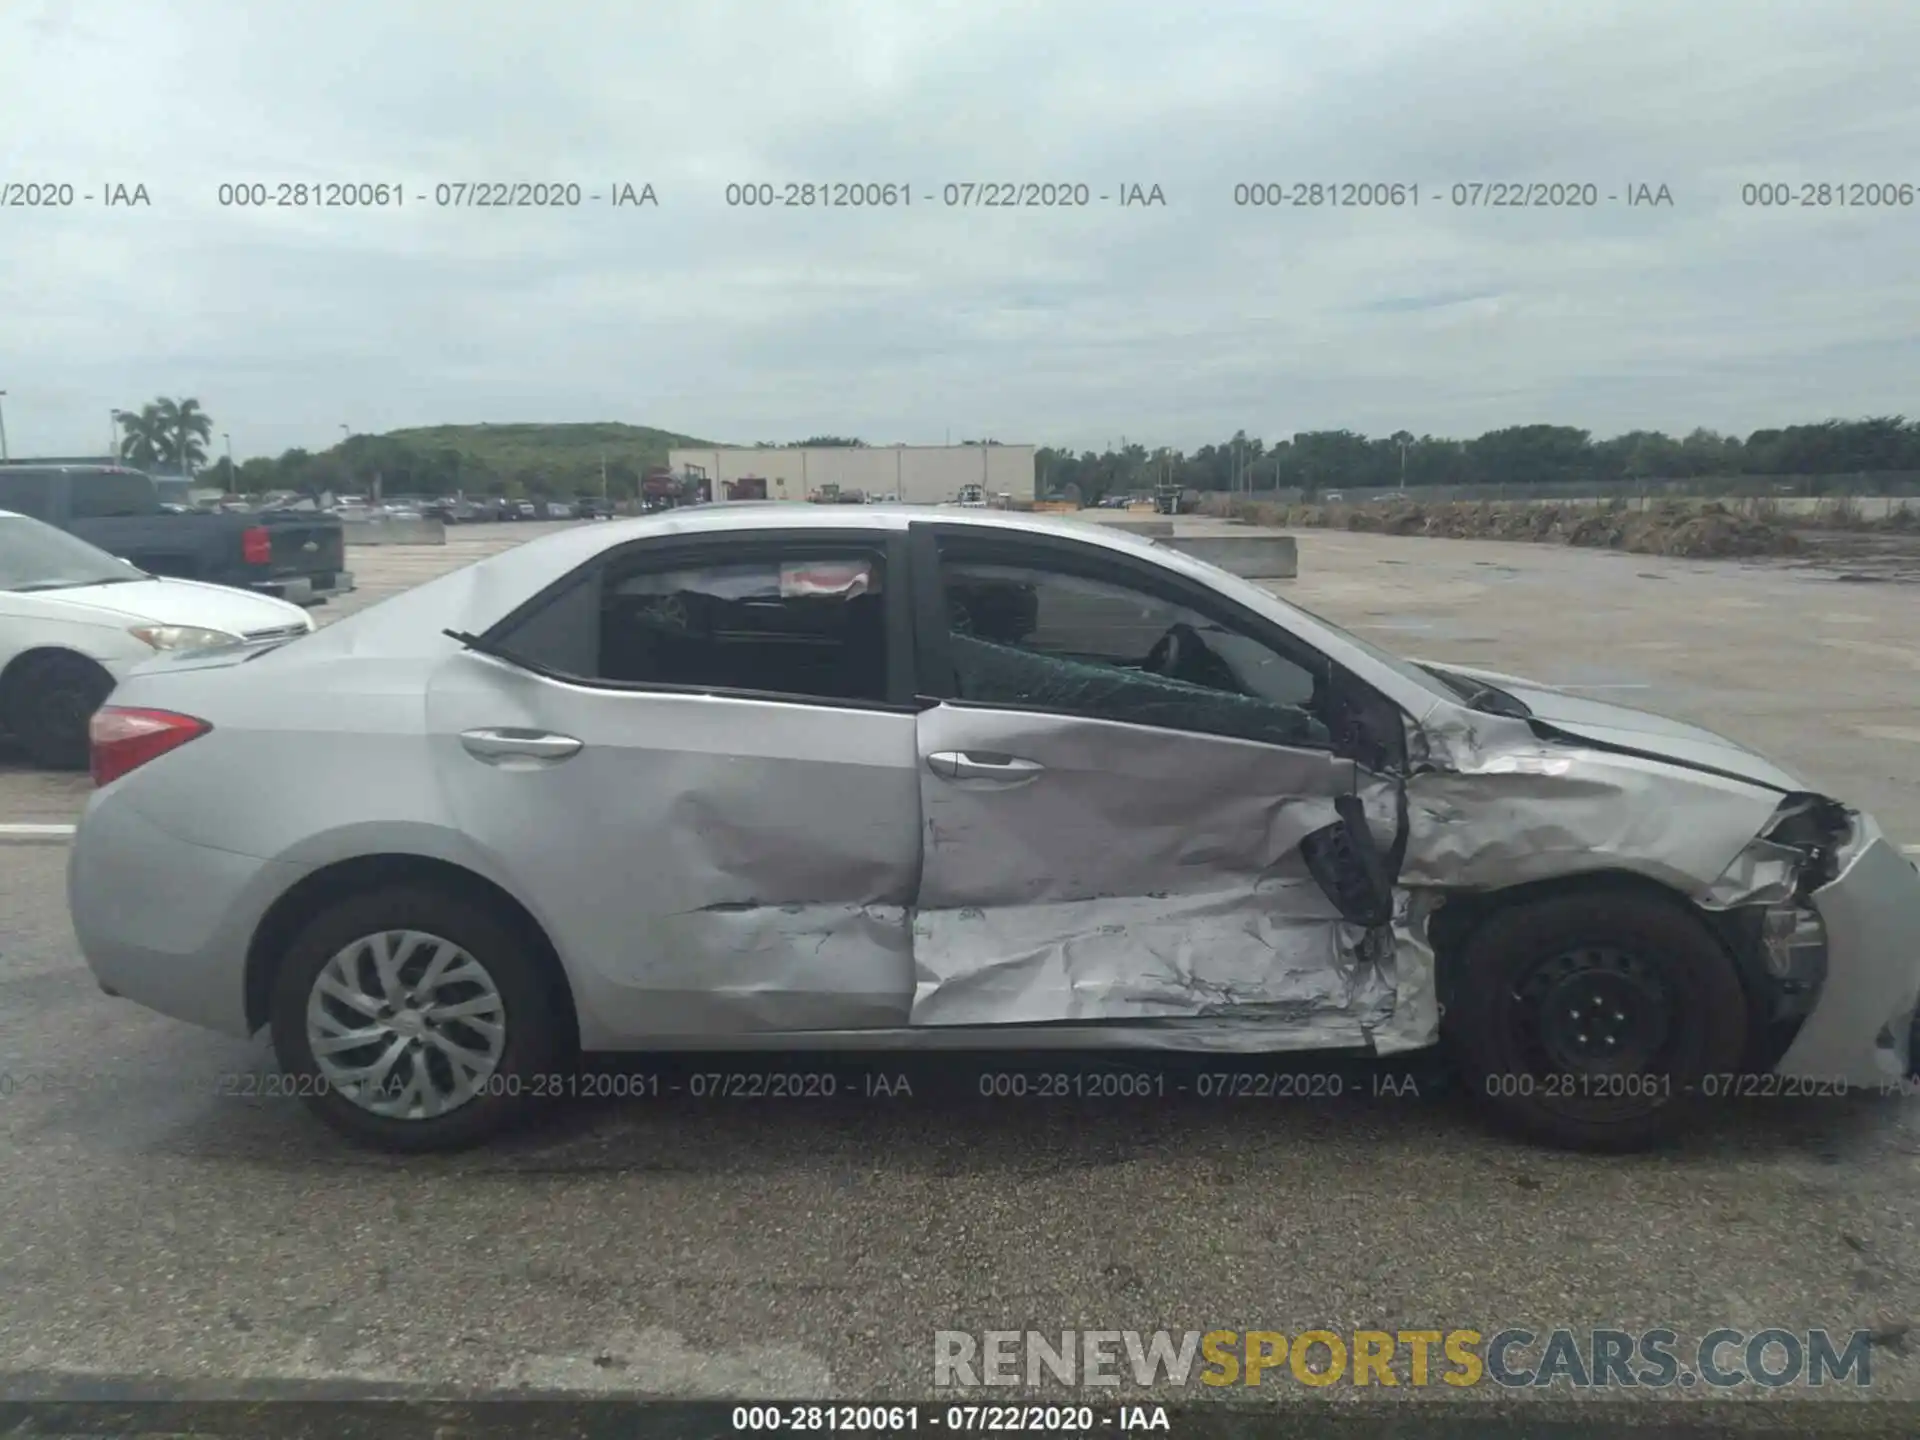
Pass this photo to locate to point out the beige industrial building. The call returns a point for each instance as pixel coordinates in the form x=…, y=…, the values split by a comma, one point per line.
x=915, y=474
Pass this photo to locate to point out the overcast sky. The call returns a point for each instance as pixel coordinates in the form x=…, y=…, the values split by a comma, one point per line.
x=1168, y=325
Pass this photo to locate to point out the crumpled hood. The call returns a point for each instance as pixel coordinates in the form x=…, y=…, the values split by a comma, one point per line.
x=1625, y=728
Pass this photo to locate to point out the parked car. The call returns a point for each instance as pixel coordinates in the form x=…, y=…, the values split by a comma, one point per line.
x=74, y=620
x=295, y=555
x=529, y=510
x=848, y=779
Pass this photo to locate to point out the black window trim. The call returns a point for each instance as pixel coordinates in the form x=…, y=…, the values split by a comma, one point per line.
x=724, y=547
x=1067, y=555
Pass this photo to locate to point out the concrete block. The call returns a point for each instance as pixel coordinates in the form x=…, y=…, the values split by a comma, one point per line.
x=395, y=532
x=1252, y=557
x=1153, y=527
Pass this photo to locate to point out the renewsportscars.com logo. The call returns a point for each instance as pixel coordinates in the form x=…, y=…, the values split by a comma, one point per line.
x=1512, y=1358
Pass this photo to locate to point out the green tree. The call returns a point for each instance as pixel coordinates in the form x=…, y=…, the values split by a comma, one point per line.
x=141, y=436
x=185, y=429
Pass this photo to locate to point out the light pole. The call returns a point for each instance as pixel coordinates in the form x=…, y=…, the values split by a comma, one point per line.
x=3, y=429
x=233, y=476
x=1403, y=465
x=113, y=431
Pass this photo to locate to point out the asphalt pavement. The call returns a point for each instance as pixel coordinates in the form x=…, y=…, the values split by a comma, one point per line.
x=166, y=1218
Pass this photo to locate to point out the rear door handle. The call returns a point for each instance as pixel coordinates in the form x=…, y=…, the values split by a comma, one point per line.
x=495, y=746
x=979, y=765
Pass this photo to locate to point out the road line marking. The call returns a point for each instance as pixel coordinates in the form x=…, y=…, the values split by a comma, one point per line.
x=36, y=832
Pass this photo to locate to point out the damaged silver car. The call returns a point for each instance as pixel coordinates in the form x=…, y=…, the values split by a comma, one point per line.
x=786, y=778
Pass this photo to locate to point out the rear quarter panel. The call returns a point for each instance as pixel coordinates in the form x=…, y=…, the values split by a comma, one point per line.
x=305, y=765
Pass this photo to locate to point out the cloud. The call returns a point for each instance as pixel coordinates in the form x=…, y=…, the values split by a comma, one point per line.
x=1174, y=324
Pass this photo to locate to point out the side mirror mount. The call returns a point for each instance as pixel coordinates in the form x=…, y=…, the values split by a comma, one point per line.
x=1345, y=860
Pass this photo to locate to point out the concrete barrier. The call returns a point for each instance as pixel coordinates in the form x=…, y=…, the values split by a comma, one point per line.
x=1153, y=527
x=1252, y=557
x=395, y=532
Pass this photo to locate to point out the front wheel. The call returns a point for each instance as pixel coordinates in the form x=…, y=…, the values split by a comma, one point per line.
x=53, y=700
x=1593, y=1020
x=414, y=1020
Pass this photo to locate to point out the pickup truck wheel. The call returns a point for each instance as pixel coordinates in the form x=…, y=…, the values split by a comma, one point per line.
x=1597, y=1019
x=51, y=702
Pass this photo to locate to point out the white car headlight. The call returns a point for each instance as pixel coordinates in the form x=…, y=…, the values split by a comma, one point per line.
x=182, y=637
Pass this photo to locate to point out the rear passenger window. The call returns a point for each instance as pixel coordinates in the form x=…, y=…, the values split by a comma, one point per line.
x=106, y=495
x=803, y=624
x=27, y=492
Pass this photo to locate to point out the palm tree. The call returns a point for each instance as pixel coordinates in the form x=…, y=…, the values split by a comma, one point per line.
x=142, y=437
x=186, y=428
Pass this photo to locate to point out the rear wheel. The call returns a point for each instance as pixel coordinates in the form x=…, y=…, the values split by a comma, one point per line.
x=53, y=697
x=1591, y=1020
x=414, y=1020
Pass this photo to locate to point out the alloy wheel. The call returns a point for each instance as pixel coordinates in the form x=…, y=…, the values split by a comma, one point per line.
x=405, y=1024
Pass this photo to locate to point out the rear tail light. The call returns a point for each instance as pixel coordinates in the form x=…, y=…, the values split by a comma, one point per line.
x=124, y=738
x=256, y=546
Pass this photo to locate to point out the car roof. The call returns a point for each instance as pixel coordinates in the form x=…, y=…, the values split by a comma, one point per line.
x=548, y=556
x=882, y=517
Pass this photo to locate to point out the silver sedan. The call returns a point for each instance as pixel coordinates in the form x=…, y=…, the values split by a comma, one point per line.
x=791, y=777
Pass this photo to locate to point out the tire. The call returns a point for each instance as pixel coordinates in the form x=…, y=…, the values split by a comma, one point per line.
x=53, y=697
x=531, y=1047
x=1558, y=1066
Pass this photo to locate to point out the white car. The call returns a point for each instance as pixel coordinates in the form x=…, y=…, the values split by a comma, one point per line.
x=74, y=620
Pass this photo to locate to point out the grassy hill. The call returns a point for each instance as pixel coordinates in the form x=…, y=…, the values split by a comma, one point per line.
x=510, y=449
x=515, y=459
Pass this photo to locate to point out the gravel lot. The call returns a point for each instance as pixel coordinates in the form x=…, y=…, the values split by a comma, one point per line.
x=162, y=1219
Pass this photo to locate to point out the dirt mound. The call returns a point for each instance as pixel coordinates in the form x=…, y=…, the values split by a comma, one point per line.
x=1666, y=528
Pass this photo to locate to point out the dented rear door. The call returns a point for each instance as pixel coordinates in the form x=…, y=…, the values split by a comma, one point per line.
x=1107, y=836
x=709, y=800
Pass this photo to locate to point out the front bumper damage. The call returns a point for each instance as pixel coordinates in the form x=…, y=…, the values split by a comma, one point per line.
x=1860, y=1029
x=1829, y=909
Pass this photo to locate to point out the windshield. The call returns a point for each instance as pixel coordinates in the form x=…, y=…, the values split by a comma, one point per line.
x=34, y=556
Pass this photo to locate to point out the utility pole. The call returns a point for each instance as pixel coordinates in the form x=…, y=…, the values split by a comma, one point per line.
x=1403, y=466
x=113, y=434
x=603, y=475
x=233, y=475
x=3, y=429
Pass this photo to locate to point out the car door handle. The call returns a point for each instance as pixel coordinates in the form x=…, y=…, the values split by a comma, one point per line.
x=509, y=744
x=975, y=765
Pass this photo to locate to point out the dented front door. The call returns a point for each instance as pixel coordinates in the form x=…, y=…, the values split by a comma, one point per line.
x=1078, y=868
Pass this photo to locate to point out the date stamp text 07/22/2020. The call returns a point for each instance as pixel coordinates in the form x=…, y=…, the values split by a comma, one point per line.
x=53, y=193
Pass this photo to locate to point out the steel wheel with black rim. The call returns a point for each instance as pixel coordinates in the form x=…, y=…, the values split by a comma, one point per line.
x=1591, y=1019
x=414, y=1020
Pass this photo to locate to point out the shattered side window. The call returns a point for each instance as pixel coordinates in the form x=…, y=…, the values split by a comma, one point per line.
x=801, y=624
x=1042, y=640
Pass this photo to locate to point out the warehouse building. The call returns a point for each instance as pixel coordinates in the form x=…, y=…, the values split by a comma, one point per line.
x=915, y=474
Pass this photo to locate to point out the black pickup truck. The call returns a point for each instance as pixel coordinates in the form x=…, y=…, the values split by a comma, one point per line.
x=295, y=555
